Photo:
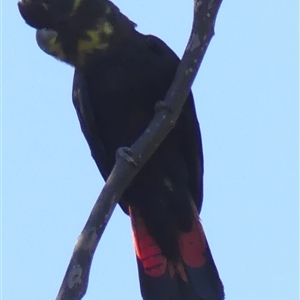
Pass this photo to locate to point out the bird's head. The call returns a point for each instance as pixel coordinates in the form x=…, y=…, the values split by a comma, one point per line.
x=73, y=30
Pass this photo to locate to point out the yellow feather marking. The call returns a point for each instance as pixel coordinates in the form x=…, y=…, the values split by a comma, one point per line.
x=93, y=40
x=107, y=28
x=75, y=7
x=85, y=46
x=55, y=49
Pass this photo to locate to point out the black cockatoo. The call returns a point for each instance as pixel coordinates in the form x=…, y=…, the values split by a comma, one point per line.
x=120, y=74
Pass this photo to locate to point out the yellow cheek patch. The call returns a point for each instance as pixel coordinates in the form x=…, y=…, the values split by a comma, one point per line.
x=88, y=46
x=55, y=49
x=107, y=28
x=95, y=39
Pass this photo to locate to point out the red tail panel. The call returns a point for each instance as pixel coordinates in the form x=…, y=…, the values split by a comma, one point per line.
x=147, y=251
x=193, y=277
x=193, y=245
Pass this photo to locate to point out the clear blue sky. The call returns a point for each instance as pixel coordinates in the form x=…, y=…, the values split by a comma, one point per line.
x=247, y=101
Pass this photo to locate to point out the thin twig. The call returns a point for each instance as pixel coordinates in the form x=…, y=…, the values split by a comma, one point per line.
x=75, y=282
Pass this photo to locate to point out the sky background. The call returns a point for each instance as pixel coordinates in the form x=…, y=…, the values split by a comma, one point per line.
x=246, y=94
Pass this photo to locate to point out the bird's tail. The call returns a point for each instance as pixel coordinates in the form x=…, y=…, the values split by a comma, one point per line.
x=194, y=277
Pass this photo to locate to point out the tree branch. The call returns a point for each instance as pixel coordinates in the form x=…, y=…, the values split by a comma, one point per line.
x=130, y=161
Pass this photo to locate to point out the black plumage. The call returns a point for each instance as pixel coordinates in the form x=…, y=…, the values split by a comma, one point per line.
x=120, y=74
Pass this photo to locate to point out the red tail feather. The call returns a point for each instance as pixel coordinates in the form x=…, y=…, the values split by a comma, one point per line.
x=193, y=277
x=193, y=244
x=147, y=251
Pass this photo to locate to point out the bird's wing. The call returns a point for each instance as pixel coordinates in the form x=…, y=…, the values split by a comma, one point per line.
x=88, y=123
x=190, y=135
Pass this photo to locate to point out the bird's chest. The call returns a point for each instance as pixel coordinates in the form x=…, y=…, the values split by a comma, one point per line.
x=122, y=101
